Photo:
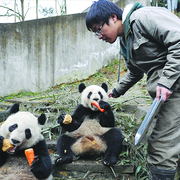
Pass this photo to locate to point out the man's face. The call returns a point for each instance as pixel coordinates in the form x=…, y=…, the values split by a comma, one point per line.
x=109, y=33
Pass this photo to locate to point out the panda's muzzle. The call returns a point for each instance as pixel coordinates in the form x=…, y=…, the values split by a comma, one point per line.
x=14, y=142
x=12, y=151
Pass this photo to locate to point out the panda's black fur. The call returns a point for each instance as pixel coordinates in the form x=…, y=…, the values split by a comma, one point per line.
x=4, y=114
x=23, y=130
x=91, y=132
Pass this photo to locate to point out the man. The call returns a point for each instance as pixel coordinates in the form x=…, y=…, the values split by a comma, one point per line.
x=150, y=44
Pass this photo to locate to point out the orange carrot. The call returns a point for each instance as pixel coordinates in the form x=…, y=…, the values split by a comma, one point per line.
x=30, y=155
x=95, y=103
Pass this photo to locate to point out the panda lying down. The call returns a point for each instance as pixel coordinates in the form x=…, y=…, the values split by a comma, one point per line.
x=23, y=130
x=90, y=132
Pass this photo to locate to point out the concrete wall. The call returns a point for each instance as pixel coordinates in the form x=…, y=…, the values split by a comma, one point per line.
x=39, y=54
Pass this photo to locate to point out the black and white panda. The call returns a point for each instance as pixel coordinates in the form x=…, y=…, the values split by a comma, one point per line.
x=23, y=130
x=90, y=132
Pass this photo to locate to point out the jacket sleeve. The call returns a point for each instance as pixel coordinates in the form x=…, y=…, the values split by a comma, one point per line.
x=164, y=27
x=132, y=77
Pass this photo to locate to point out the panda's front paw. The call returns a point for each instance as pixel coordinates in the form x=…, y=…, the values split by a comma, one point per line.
x=41, y=167
x=109, y=161
x=104, y=105
x=35, y=165
x=64, y=119
x=36, y=159
x=61, y=118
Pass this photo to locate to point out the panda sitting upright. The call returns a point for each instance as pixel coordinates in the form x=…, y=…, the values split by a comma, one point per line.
x=23, y=131
x=90, y=132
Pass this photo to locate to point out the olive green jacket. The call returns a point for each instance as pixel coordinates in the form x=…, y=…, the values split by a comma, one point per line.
x=154, y=43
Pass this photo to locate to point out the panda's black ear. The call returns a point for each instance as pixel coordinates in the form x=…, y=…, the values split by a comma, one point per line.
x=14, y=108
x=81, y=87
x=42, y=119
x=104, y=86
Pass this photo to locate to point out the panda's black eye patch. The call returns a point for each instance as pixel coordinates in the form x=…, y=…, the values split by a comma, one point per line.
x=89, y=95
x=28, y=133
x=13, y=127
x=100, y=94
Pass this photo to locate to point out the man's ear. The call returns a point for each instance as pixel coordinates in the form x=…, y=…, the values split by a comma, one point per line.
x=114, y=17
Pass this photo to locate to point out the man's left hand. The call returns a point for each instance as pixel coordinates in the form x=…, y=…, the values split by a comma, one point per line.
x=164, y=92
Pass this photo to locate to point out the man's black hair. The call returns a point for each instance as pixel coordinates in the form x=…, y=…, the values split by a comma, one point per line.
x=101, y=11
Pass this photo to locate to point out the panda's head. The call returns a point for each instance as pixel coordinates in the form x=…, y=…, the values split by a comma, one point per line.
x=91, y=93
x=23, y=130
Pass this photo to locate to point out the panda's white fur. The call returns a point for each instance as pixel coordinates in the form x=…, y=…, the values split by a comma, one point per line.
x=95, y=95
x=89, y=141
x=29, y=121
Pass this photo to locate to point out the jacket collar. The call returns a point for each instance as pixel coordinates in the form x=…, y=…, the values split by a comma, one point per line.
x=128, y=10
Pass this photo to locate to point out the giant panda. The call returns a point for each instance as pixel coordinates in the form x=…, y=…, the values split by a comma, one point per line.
x=90, y=132
x=23, y=130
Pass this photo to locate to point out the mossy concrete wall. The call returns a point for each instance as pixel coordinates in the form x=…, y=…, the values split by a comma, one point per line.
x=38, y=54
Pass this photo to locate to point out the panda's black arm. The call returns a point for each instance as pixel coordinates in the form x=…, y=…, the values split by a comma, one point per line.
x=77, y=119
x=70, y=127
x=42, y=165
x=107, y=117
x=3, y=155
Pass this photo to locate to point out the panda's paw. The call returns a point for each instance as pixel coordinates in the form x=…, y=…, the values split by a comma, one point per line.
x=109, y=161
x=35, y=164
x=61, y=118
x=63, y=160
x=36, y=160
x=104, y=105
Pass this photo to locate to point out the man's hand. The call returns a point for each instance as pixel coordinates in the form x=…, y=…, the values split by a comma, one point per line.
x=111, y=94
x=164, y=92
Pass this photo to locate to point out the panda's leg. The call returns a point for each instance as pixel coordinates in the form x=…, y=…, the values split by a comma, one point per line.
x=64, y=144
x=113, y=139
